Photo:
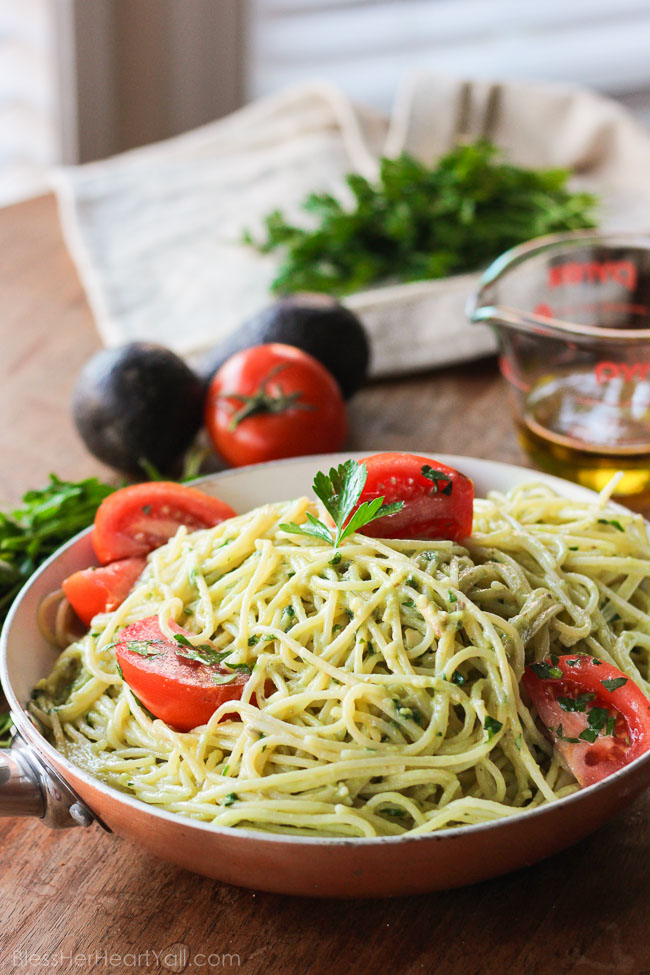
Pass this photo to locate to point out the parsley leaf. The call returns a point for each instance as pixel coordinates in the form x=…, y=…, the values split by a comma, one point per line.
x=597, y=718
x=589, y=734
x=46, y=519
x=545, y=670
x=578, y=703
x=206, y=654
x=612, y=683
x=611, y=521
x=437, y=477
x=492, y=726
x=143, y=647
x=560, y=734
x=339, y=492
x=6, y=724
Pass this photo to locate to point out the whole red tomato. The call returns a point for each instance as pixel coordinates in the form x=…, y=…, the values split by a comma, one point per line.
x=274, y=401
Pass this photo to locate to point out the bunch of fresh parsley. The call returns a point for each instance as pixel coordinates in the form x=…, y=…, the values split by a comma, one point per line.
x=420, y=222
x=45, y=520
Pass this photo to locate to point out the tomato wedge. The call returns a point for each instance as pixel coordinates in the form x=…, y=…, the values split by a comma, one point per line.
x=438, y=500
x=598, y=719
x=137, y=519
x=183, y=692
x=101, y=590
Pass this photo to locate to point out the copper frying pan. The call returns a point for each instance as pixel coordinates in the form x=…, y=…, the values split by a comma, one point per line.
x=36, y=780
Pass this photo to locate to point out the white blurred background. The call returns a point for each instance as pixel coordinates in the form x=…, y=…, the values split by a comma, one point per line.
x=83, y=79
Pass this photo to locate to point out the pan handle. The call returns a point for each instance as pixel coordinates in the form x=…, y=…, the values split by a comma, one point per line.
x=29, y=788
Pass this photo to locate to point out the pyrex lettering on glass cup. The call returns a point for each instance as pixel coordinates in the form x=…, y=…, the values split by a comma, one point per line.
x=572, y=315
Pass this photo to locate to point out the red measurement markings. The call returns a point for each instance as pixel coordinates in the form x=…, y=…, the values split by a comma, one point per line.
x=629, y=371
x=593, y=272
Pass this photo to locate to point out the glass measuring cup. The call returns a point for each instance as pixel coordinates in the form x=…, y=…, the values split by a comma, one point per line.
x=572, y=316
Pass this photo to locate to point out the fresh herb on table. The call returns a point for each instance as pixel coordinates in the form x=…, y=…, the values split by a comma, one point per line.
x=6, y=725
x=340, y=492
x=420, y=223
x=31, y=533
x=46, y=520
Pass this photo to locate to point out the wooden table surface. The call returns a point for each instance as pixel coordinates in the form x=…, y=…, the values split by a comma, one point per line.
x=86, y=901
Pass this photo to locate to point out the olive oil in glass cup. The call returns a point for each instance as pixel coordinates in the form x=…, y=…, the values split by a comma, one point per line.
x=572, y=316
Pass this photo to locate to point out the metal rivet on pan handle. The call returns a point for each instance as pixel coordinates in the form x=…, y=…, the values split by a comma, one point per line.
x=29, y=788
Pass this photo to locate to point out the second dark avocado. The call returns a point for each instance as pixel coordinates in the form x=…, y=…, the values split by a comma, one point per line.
x=315, y=323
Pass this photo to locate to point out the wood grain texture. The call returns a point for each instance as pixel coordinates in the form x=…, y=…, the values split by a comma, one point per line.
x=86, y=901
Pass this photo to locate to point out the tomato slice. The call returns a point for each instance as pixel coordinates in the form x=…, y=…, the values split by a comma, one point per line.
x=598, y=719
x=137, y=519
x=438, y=500
x=180, y=691
x=101, y=590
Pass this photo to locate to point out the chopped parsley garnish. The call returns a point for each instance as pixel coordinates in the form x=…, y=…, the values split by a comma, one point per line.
x=578, y=703
x=560, y=734
x=437, y=477
x=230, y=798
x=394, y=811
x=288, y=617
x=336, y=558
x=589, y=734
x=492, y=726
x=143, y=647
x=205, y=654
x=340, y=492
x=408, y=603
x=613, y=683
x=252, y=640
x=545, y=670
x=611, y=521
x=597, y=718
x=452, y=597
x=457, y=678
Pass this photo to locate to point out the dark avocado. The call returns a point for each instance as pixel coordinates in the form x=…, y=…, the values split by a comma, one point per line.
x=138, y=401
x=315, y=323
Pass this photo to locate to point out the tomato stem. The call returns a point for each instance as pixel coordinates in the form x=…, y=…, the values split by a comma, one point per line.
x=265, y=400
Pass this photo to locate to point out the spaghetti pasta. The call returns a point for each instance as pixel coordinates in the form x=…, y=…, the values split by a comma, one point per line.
x=384, y=693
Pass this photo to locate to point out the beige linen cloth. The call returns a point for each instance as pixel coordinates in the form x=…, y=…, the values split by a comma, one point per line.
x=156, y=233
